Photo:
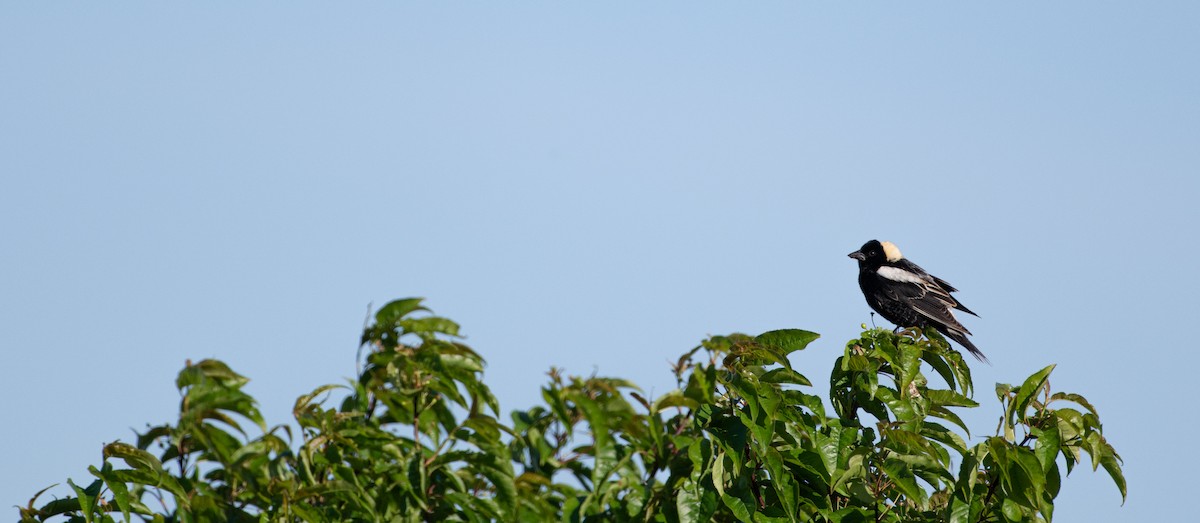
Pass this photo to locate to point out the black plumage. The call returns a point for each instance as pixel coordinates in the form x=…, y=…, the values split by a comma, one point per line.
x=906, y=295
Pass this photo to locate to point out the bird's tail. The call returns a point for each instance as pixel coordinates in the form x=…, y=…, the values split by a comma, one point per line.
x=961, y=338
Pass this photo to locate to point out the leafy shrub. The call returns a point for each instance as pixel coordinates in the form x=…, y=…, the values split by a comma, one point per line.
x=418, y=437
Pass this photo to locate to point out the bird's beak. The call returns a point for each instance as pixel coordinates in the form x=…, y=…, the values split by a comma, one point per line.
x=858, y=255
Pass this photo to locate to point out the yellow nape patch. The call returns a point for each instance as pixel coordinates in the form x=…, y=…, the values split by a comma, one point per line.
x=891, y=251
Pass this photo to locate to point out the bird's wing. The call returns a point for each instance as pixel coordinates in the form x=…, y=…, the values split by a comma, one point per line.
x=949, y=288
x=923, y=293
x=913, y=284
x=943, y=285
x=938, y=311
x=930, y=297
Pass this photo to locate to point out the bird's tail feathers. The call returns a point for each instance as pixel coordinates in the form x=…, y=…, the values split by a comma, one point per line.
x=963, y=308
x=961, y=338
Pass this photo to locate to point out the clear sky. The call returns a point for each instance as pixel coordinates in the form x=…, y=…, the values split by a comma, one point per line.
x=594, y=186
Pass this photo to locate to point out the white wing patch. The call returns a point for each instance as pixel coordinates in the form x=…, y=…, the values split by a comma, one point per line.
x=900, y=275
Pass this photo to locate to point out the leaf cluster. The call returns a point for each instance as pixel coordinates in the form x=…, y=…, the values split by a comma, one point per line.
x=418, y=436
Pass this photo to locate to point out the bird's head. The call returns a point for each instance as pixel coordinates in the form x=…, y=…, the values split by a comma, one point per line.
x=875, y=253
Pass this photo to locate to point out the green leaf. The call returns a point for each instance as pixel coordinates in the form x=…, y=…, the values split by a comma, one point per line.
x=688, y=504
x=209, y=371
x=718, y=473
x=151, y=479
x=961, y=371
x=555, y=398
x=903, y=478
x=899, y=405
x=87, y=498
x=939, y=364
x=857, y=363
x=305, y=400
x=1112, y=464
x=393, y=311
x=118, y=488
x=1012, y=510
x=701, y=385
x=430, y=325
x=1032, y=470
x=960, y=511
x=787, y=340
x=783, y=375
x=1029, y=390
x=1003, y=390
x=1075, y=398
x=674, y=398
x=133, y=456
x=943, y=435
x=1047, y=445
x=604, y=450
x=853, y=515
x=782, y=482
x=461, y=362
x=829, y=447
x=741, y=506
x=949, y=398
x=909, y=365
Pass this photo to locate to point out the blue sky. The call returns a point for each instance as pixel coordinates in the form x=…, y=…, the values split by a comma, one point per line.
x=594, y=187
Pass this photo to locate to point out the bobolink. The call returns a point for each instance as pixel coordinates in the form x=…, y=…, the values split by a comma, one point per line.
x=904, y=294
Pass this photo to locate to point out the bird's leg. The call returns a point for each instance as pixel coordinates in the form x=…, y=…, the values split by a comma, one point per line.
x=873, y=320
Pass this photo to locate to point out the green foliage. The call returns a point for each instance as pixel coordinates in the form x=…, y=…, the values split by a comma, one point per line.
x=418, y=437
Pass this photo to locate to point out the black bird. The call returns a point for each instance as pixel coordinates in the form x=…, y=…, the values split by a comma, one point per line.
x=904, y=294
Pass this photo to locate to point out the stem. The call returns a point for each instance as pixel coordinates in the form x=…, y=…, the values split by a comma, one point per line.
x=417, y=421
x=450, y=436
x=988, y=498
x=879, y=515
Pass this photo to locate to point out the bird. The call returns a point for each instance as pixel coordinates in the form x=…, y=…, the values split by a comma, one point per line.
x=904, y=294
